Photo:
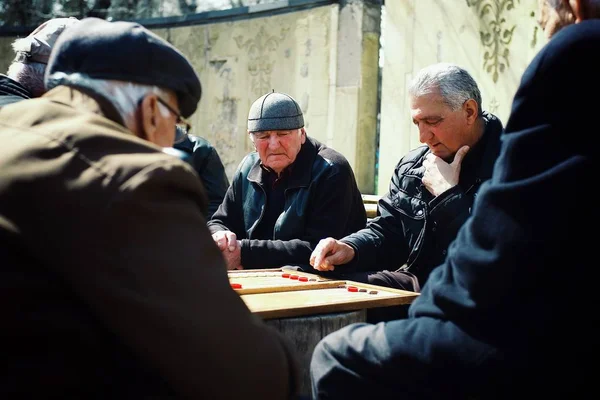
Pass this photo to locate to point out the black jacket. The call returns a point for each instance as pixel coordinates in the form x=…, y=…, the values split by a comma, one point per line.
x=207, y=163
x=12, y=91
x=415, y=229
x=322, y=200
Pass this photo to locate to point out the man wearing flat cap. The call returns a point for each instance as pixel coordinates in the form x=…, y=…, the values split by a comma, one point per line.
x=25, y=76
x=100, y=304
x=287, y=195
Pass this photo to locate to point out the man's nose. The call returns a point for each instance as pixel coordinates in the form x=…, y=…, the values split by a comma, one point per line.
x=424, y=133
x=273, y=141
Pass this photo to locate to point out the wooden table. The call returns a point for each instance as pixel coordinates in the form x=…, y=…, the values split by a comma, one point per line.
x=306, y=307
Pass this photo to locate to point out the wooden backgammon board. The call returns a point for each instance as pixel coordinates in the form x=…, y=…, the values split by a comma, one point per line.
x=280, y=293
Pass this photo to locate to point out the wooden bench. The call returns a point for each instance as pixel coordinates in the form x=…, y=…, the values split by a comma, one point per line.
x=370, y=202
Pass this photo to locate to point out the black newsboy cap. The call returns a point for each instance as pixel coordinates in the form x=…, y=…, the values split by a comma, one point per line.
x=123, y=51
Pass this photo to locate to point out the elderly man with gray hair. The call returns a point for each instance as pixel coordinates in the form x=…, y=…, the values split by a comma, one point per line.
x=285, y=196
x=25, y=76
x=110, y=274
x=431, y=192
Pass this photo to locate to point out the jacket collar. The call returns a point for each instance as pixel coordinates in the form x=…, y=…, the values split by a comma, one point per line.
x=85, y=100
x=10, y=87
x=485, y=151
x=300, y=174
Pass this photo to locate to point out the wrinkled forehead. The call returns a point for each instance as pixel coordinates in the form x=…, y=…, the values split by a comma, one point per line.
x=275, y=131
x=430, y=104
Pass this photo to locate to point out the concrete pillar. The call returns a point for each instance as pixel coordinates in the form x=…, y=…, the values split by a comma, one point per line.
x=353, y=131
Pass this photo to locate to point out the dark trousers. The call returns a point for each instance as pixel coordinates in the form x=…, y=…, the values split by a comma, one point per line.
x=348, y=364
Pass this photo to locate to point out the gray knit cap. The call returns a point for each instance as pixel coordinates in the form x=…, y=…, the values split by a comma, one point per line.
x=275, y=111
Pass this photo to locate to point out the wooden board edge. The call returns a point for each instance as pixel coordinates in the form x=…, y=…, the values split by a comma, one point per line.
x=291, y=288
x=305, y=311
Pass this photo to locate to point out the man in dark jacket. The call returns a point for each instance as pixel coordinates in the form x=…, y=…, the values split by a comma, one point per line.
x=25, y=76
x=207, y=163
x=109, y=274
x=512, y=313
x=432, y=190
x=286, y=196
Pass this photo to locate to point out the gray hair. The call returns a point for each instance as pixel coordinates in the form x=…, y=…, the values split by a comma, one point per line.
x=125, y=96
x=453, y=83
x=30, y=75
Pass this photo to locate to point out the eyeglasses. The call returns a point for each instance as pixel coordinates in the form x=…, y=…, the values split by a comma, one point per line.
x=182, y=126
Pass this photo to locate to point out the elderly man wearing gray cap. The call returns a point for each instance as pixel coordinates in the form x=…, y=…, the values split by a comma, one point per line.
x=110, y=270
x=25, y=76
x=287, y=195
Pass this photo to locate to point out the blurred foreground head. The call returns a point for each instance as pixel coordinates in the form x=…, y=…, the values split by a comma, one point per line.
x=32, y=54
x=553, y=15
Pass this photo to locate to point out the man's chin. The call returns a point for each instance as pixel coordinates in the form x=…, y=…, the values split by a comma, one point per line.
x=278, y=166
x=278, y=163
x=441, y=154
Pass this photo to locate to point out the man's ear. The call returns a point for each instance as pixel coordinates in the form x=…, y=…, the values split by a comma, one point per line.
x=148, y=110
x=303, y=133
x=251, y=139
x=471, y=110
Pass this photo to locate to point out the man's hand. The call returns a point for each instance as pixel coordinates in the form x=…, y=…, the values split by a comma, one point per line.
x=330, y=252
x=230, y=247
x=440, y=176
x=225, y=240
x=233, y=258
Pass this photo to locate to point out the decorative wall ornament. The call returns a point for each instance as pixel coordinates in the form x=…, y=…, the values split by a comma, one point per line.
x=260, y=65
x=494, y=105
x=536, y=28
x=498, y=36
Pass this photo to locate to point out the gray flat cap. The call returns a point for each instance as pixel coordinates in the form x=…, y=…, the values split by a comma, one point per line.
x=275, y=111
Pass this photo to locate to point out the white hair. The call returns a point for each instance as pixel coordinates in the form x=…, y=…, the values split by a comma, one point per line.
x=125, y=96
x=452, y=82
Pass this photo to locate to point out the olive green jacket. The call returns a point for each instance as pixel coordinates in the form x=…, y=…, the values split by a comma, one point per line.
x=97, y=303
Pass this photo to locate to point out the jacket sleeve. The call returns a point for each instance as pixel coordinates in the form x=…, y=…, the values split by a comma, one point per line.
x=329, y=209
x=449, y=211
x=159, y=282
x=383, y=243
